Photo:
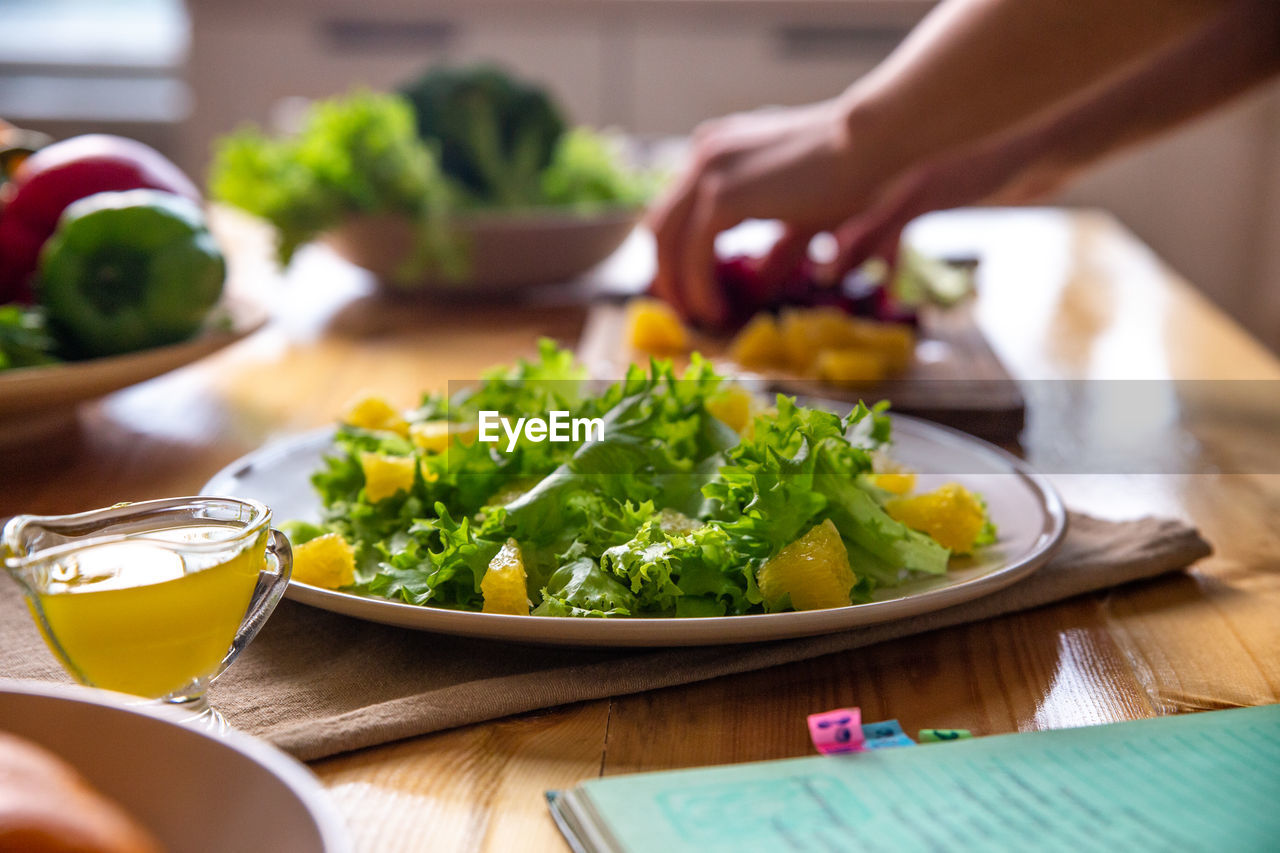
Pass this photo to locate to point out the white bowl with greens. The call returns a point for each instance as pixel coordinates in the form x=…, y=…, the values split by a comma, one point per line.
x=467, y=179
x=503, y=250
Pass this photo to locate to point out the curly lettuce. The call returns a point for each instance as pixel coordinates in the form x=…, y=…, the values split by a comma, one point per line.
x=358, y=154
x=669, y=512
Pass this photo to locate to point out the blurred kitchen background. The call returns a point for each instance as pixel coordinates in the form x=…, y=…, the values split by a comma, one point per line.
x=177, y=74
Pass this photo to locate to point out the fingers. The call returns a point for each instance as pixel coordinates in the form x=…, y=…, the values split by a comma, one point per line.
x=701, y=291
x=685, y=227
x=785, y=255
x=888, y=250
x=668, y=220
x=876, y=232
x=775, y=164
x=856, y=242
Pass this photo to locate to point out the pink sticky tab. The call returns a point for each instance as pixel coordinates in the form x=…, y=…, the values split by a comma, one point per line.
x=837, y=731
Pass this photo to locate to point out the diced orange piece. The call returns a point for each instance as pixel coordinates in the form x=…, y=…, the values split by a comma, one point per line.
x=503, y=584
x=385, y=475
x=850, y=367
x=952, y=516
x=653, y=326
x=814, y=570
x=734, y=406
x=369, y=411
x=897, y=482
x=895, y=342
x=808, y=331
x=759, y=344
x=436, y=436
x=327, y=561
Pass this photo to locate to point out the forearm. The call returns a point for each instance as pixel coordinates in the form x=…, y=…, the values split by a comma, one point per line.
x=1239, y=49
x=977, y=67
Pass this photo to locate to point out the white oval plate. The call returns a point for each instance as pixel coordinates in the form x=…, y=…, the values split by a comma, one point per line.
x=196, y=792
x=1027, y=510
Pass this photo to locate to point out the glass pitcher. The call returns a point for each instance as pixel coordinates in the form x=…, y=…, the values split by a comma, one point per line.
x=154, y=598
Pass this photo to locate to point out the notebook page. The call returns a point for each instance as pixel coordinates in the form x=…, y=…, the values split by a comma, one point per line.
x=1208, y=781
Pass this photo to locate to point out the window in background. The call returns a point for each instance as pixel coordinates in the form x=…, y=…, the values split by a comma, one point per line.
x=79, y=66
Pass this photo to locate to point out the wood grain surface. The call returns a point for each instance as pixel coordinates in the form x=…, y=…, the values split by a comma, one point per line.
x=1064, y=296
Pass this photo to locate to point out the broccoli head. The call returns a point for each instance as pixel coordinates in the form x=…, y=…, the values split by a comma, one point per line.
x=494, y=134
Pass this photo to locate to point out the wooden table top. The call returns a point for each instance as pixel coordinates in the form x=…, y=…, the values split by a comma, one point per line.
x=1064, y=296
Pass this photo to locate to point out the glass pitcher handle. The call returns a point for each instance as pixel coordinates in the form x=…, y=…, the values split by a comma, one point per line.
x=271, y=585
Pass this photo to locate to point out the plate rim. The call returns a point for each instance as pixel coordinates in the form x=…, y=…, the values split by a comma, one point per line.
x=299, y=779
x=696, y=631
x=246, y=318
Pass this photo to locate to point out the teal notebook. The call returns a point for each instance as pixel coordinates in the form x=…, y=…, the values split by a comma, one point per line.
x=1208, y=781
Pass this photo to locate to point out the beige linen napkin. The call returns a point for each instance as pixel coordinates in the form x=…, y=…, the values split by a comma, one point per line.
x=315, y=683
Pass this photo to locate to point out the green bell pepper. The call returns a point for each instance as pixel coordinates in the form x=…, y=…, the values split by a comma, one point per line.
x=129, y=270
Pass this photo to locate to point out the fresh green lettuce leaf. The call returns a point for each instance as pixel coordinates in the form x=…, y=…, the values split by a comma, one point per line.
x=667, y=513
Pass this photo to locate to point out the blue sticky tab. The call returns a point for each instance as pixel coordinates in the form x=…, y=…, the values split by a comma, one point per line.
x=886, y=734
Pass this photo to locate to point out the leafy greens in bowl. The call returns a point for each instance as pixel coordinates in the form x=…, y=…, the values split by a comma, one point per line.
x=452, y=144
x=693, y=500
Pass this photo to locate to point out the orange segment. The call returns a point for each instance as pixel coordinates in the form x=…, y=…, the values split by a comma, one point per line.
x=952, y=515
x=847, y=367
x=653, y=326
x=734, y=406
x=436, y=436
x=814, y=570
x=759, y=344
x=808, y=331
x=503, y=584
x=327, y=561
x=894, y=342
x=369, y=411
x=899, y=483
x=385, y=475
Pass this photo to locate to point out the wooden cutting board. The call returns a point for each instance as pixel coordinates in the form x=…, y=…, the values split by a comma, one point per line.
x=954, y=380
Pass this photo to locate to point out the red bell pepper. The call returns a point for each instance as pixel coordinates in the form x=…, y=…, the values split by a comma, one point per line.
x=64, y=172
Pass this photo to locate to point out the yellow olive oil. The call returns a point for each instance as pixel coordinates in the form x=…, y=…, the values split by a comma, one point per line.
x=146, y=617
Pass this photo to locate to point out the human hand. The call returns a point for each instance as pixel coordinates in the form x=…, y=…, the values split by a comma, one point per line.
x=806, y=166
x=1009, y=169
x=812, y=169
x=899, y=141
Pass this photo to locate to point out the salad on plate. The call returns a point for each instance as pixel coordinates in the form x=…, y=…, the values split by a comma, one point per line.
x=693, y=497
